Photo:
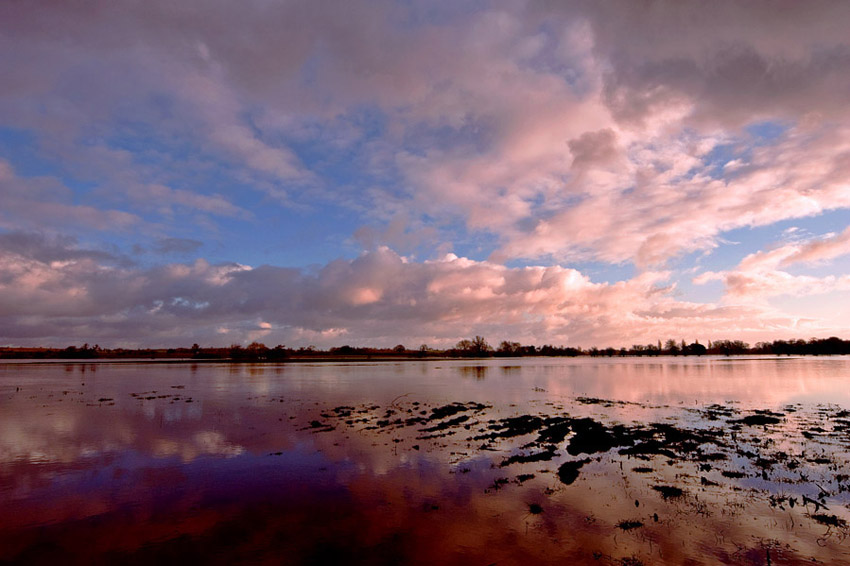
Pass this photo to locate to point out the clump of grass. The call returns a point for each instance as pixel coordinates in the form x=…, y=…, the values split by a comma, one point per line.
x=830, y=520
x=668, y=491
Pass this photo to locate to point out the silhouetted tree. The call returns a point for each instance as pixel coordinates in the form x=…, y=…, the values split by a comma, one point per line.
x=729, y=347
x=695, y=349
x=477, y=347
x=509, y=348
x=279, y=352
x=256, y=351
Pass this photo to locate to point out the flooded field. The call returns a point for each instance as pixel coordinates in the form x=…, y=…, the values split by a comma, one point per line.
x=538, y=461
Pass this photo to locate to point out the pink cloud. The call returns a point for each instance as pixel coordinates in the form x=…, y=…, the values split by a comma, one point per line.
x=377, y=298
x=760, y=276
x=819, y=250
x=521, y=106
x=667, y=203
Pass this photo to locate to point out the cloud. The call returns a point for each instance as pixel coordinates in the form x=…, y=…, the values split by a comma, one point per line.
x=401, y=234
x=379, y=297
x=760, y=276
x=820, y=250
x=49, y=249
x=566, y=131
x=671, y=203
x=593, y=149
x=733, y=62
x=176, y=245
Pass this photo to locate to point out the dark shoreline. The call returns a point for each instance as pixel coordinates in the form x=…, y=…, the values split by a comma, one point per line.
x=372, y=359
x=323, y=359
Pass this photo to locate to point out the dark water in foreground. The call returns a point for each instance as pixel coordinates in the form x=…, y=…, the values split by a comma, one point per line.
x=534, y=461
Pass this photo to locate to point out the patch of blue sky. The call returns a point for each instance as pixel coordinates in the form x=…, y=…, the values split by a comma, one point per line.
x=476, y=245
x=150, y=147
x=423, y=14
x=715, y=161
x=766, y=132
x=313, y=226
x=178, y=162
x=685, y=267
x=710, y=292
x=740, y=149
x=340, y=153
x=118, y=244
x=286, y=245
x=475, y=134
x=597, y=271
x=807, y=227
x=735, y=245
x=277, y=233
x=731, y=247
x=476, y=249
x=837, y=267
x=21, y=149
x=282, y=237
x=600, y=272
x=544, y=207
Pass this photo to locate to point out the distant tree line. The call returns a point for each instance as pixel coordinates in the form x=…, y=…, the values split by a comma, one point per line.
x=476, y=347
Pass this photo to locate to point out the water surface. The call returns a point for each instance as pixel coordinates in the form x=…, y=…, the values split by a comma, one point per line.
x=597, y=461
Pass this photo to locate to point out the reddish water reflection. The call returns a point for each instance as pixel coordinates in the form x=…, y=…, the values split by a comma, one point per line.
x=112, y=463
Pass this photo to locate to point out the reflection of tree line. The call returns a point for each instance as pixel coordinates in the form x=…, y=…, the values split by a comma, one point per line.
x=476, y=347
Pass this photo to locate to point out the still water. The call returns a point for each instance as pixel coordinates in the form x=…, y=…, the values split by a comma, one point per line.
x=505, y=461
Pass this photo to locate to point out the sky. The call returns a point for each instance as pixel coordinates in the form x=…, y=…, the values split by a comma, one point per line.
x=398, y=172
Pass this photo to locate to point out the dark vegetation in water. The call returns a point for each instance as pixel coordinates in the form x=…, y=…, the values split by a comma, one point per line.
x=760, y=418
x=453, y=409
x=723, y=445
x=668, y=491
x=445, y=425
x=568, y=471
x=543, y=456
x=830, y=520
